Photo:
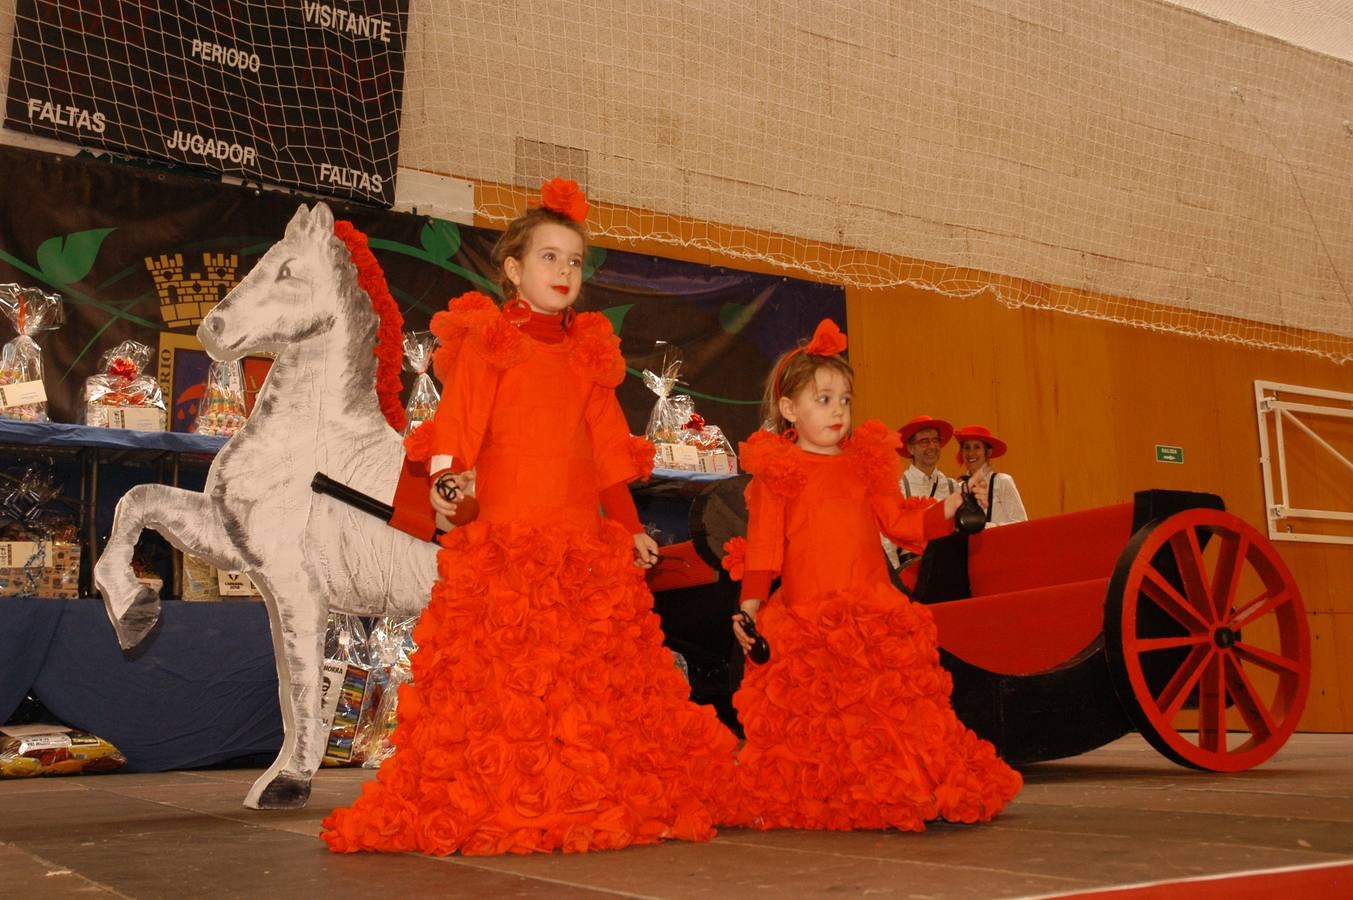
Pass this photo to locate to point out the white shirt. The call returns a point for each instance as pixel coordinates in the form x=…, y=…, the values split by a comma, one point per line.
x=915, y=483
x=1006, y=505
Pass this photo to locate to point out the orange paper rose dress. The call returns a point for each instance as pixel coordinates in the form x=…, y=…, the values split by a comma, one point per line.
x=544, y=713
x=849, y=725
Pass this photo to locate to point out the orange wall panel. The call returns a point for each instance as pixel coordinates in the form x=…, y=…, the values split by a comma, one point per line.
x=1083, y=403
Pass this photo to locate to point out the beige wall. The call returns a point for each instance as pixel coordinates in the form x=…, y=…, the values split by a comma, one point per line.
x=1122, y=146
x=1128, y=147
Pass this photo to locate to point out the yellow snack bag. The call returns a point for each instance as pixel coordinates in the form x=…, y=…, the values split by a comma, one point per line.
x=28, y=750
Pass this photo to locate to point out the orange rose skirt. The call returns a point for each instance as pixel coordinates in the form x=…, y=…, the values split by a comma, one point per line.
x=544, y=713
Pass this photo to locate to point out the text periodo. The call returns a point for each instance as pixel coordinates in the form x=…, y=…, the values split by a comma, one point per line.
x=231, y=57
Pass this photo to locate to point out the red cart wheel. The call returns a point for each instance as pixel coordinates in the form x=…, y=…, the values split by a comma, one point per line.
x=1207, y=640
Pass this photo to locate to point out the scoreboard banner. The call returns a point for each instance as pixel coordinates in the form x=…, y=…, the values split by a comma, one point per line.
x=289, y=92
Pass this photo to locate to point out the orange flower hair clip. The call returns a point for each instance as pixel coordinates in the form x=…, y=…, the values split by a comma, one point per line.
x=563, y=196
x=827, y=340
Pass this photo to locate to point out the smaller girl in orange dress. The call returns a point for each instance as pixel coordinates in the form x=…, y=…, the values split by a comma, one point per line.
x=849, y=725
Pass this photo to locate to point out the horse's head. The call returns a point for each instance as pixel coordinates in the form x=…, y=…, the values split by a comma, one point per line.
x=298, y=290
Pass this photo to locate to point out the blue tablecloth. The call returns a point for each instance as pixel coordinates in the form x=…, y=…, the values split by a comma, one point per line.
x=200, y=690
x=57, y=434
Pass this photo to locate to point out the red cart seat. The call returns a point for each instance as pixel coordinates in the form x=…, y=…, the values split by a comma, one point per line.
x=1038, y=591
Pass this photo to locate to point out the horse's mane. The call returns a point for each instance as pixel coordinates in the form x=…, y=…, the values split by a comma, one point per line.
x=389, y=347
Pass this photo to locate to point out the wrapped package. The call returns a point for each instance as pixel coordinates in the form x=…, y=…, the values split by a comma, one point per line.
x=347, y=678
x=29, y=750
x=391, y=644
x=22, y=393
x=360, y=668
x=221, y=410
x=714, y=452
x=124, y=395
x=39, y=568
x=197, y=579
x=671, y=409
x=424, y=397
x=681, y=437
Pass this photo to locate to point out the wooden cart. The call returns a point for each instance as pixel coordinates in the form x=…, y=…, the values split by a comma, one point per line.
x=1167, y=615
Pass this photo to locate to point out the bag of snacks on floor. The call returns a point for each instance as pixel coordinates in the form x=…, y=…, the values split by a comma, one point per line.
x=347, y=684
x=392, y=647
x=29, y=750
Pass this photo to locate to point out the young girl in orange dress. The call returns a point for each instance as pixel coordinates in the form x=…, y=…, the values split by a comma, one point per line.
x=849, y=725
x=544, y=713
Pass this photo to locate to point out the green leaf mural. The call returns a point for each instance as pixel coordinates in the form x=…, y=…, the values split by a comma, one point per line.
x=596, y=258
x=733, y=317
x=66, y=260
x=441, y=239
x=617, y=315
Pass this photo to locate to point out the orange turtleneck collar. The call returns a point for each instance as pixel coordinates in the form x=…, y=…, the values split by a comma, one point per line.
x=547, y=328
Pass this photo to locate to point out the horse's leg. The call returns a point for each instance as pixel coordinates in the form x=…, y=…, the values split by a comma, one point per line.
x=297, y=613
x=187, y=519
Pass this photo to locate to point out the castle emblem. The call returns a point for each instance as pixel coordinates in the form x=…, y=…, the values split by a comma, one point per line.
x=185, y=297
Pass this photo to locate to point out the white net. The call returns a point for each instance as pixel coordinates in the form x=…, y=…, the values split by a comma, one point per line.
x=1128, y=160
x=1122, y=159
x=299, y=94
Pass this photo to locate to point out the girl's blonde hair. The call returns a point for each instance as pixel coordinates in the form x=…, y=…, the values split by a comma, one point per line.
x=793, y=372
x=516, y=240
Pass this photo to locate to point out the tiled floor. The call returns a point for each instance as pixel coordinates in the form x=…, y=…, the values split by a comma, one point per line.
x=1119, y=815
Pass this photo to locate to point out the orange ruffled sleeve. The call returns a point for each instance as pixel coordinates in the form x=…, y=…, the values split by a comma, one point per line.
x=595, y=353
x=477, y=343
x=612, y=446
x=765, y=529
x=777, y=476
x=909, y=522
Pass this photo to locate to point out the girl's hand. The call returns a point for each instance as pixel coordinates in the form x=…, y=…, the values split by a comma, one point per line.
x=448, y=483
x=749, y=607
x=645, y=550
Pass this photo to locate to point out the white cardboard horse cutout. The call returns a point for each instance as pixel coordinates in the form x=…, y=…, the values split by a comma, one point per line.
x=307, y=553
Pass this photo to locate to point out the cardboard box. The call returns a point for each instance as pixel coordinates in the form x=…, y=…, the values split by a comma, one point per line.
x=200, y=580
x=58, y=576
x=132, y=418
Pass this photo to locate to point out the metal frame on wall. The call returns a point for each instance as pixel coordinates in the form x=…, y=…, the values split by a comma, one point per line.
x=1279, y=407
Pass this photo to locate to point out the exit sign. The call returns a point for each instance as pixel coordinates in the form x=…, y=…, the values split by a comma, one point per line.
x=1167, y=454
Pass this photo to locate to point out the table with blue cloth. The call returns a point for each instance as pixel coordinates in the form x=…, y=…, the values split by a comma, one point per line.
x=200, y=690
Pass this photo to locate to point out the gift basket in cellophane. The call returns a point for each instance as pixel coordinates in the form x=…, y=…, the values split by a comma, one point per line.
x=23, y=396
x=681, y=437
x=124, y=394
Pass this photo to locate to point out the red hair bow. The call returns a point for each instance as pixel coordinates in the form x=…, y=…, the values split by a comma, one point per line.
x=828, y=340
x=563, y=196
